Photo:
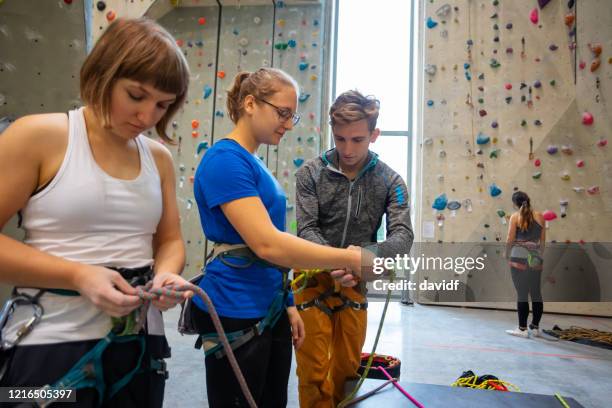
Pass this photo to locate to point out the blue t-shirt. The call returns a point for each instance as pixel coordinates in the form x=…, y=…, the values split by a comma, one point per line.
x=229, y=172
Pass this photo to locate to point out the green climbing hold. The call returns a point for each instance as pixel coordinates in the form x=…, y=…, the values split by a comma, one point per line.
x=536, y=175
x=494, y=63
x=480, y=100
x=293, y=226
x=553, y=82
x=281, y=46
x=501, y=213
x=523, y=123
x=494, y=154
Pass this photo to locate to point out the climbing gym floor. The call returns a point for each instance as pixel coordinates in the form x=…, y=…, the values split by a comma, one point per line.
x=436, y=344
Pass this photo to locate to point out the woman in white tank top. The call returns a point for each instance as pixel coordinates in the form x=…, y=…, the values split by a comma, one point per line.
x=95, y=194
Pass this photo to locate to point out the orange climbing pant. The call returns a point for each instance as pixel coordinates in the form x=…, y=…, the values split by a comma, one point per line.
x=331, y=352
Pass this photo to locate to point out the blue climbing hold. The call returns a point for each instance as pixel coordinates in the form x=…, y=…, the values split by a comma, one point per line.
x=202, y=146
x=431, y=23
x=207, y=91
x=430, y=103
x=303, y=66
x=494, y=190
x=440, y=202
x=219, y=114
x=466, y=65
x=298, y=161
x=304, y=97
x=482, y=139
x=292, y=43
x=315, y=23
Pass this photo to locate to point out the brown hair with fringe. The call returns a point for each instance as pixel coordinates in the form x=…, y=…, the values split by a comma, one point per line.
x=352, y=106
x=140, y=50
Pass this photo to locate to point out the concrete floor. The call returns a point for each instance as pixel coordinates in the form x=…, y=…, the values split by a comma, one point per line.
x=436, y=344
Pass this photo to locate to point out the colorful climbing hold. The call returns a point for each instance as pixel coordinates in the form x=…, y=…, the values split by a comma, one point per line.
x=291, y=43
x=298, y=161
x=482, y=139
x=195, y=134
x=304, y=97
x=595, y=64
x=536, y=175
x=534, y=16
x=565, y=176
x=202, y=20
x=494, y=154
x=553, y=47
x=221, y=74
x=494, y=191
x=537, y=162
x=567, y=149
x=453, y=205
x=303, y=66
x=440, y=202
x=482, y=113
x=552, y=82
x=595, y=49
x=195, y=124
x=508, y=86
x=552, y=149
x=110, y=16
x=207, y=91
x=602, y=142
x=430, y=103
x=587, y=119
x=593, y=190
x=569, y=19
x=431, y=23
x=202, y=146
x=537, y=84
x=580, y=163
x=494, y=63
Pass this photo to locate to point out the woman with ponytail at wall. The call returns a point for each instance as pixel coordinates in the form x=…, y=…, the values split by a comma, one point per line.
x=242, y=209
x=526, y=240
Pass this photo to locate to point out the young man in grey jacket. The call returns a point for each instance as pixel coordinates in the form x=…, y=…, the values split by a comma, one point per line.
x=341, y=198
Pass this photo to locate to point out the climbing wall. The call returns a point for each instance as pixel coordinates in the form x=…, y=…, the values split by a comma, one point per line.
x=28, y=82
x=516, y=95
x=299, y=50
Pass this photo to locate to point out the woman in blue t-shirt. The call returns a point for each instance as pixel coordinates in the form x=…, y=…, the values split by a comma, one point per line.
x=240, y=202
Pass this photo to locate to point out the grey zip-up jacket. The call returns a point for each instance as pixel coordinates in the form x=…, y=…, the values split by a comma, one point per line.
x=333, y=210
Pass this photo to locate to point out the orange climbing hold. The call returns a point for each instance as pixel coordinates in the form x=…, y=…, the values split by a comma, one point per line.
x=221, y=74
x=195, y=134
x=110, y=16
x=195, y=124
x=595, y=49
x=595, y=64
x=569, y=19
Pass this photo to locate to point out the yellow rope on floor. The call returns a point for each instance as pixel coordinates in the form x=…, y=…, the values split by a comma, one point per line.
x=581, y=333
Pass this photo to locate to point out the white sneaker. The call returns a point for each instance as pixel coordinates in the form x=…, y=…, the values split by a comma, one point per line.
x=535, y=332
x=518, y=333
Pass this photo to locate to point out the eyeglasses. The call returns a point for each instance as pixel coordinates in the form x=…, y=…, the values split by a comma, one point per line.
x=284, y=114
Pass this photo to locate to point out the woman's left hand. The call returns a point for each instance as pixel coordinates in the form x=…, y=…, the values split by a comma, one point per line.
x=298, y=332
x=169, y=280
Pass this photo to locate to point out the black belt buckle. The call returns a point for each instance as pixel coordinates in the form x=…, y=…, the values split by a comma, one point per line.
x=162, y=370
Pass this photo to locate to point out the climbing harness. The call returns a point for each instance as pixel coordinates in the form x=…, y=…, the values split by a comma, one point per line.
x=237, y=256
x=484, y=382
x=88, y=371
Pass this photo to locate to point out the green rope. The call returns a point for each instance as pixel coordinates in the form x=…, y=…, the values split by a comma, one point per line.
x=346, y=400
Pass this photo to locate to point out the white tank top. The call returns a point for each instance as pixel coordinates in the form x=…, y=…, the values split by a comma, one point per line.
x=85, y=215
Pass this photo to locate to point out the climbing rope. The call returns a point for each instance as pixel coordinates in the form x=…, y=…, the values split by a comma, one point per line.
x=147, y=294
x=485, y=382
x=580, y=333
x=351, y=396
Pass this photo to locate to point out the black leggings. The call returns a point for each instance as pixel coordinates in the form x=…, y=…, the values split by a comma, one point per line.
x=528, y=282
x=38, y=365
x=265, y=362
